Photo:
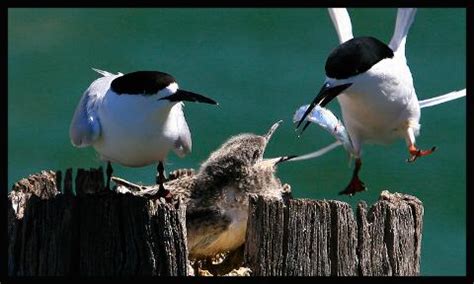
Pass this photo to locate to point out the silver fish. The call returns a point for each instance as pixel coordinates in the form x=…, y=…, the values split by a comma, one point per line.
x=329, y=122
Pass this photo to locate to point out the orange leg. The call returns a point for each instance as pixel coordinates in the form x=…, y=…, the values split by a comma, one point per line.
x=355, y=185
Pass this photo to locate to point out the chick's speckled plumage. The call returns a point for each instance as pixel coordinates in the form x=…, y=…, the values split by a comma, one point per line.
x=217, y=195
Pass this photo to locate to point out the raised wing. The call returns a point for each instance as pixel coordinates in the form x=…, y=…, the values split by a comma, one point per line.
x=405, y=18
x=342, y=22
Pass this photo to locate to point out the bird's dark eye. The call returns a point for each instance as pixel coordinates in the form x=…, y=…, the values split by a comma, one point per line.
x=256, y=154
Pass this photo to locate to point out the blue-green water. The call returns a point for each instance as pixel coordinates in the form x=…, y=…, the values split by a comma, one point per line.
x=260, y=64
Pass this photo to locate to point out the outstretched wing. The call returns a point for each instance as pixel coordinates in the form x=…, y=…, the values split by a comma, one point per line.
x=342, y=22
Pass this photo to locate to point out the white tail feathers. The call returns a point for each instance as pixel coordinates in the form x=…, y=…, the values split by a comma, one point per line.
x=405, y=18
x=442, y=99
x=318, y=153
x=102, y=72
x=342, y=22
x=105, y=73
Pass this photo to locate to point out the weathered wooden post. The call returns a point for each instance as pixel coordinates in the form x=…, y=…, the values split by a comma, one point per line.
x=310, y=237
x=95, y=232
x=53, y=231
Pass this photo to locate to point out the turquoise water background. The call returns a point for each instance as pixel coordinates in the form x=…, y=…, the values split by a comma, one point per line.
x=260, y=65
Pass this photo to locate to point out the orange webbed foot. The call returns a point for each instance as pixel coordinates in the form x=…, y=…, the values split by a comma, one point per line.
x=415, y=153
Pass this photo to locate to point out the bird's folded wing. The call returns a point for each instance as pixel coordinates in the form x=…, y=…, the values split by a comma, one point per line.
x=204, y=226
x=442, y=99
x=85, y=125
x=183, y=143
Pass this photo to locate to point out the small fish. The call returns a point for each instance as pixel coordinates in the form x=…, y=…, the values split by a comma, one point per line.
x=328, y=121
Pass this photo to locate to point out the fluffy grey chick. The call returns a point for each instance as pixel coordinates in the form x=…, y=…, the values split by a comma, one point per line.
x=217, y=195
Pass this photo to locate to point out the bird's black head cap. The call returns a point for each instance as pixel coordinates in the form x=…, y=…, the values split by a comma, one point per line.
x=141, y=83
x=356, y=56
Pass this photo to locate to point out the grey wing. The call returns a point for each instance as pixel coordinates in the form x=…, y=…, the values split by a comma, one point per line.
x=85, y=125
x=183, y=143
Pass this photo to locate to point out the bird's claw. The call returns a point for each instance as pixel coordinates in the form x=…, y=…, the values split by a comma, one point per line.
x=415, y=153
x=163, y=193
x=355, y=185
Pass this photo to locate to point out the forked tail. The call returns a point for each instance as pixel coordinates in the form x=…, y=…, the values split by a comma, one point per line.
x=442, y=99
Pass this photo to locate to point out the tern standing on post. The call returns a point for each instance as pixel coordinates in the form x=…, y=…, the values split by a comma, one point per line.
x=134, y=120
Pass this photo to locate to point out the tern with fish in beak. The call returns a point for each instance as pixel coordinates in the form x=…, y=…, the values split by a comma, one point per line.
x=375, y=90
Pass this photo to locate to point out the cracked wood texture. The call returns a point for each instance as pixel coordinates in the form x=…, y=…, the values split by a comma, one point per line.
x=93, y=232
x=318, y=237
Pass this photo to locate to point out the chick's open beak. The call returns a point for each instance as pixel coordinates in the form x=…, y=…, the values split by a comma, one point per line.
x=276, y=161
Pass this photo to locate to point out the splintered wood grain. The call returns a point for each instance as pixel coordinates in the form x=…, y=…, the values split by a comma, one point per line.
x=390, y=235
x=96, y=232
x=343, y=240
x=41, y=227
x=325, y=238
x=308, y=242
x=264, y=245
